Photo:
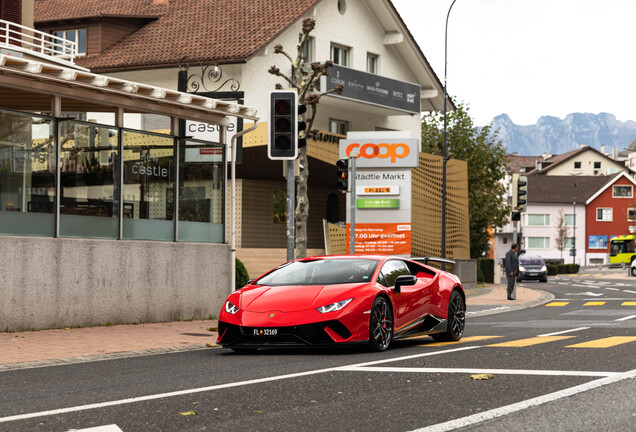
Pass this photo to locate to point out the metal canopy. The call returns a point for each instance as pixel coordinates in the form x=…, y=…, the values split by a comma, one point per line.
x=29, y=85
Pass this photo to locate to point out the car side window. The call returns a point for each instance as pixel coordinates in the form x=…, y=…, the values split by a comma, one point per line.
x=382, y=281
x=392, y=269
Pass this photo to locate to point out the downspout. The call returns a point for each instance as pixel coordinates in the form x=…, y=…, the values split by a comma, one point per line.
x=233, y=203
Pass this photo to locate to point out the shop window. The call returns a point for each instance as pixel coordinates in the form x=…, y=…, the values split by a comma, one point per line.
x=622, y=191
x=201, y=195
x=148, y=193
x=27, y=175
x=89, y=202
x=340, y=55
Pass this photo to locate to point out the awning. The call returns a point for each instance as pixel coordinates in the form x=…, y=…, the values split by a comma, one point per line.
x=28, y=85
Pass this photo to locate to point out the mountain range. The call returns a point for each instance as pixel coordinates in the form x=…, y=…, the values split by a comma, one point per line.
x=554, y=135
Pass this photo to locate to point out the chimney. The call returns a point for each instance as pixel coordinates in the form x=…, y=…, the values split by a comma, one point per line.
x=547, y=156
x=603, y=149
x=583, y=145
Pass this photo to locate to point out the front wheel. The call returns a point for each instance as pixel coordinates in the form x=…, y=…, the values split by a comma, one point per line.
x=380, y=325
x=456, y=319
x=633, y=271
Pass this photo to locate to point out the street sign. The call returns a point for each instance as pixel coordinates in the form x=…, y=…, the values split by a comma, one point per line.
x=572, y=252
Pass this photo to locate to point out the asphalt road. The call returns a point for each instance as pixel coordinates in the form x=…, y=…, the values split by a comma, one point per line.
x=565, y=366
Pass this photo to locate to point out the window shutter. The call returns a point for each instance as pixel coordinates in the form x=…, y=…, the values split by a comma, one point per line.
x=12, y=12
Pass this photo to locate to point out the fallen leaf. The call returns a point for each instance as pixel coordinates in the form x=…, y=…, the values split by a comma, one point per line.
x=211, y=345
x=482, y=376
x=188, y=413
x=259, y=412
x=213, y=329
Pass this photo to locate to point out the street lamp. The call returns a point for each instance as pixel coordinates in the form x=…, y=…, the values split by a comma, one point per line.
x=574, y=220
x=444, y=147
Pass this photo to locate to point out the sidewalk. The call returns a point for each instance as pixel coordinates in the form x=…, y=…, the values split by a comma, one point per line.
x=26, y=349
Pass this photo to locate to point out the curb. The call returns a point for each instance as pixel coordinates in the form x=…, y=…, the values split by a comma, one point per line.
x=543, y=299
x=101, y=357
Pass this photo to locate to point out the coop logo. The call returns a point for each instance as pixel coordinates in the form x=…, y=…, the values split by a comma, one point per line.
x=391, y=151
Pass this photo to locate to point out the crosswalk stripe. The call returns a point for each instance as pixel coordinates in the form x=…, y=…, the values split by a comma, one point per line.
x=605, y=342
x=530, y=341
x=465, y=339
x=558, y=304
x=592, y=303
x=628, y=303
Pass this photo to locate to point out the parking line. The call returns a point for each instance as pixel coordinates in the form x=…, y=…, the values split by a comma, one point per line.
x=628, y=303
x=530, y=341
x=462, y=340
x=594, y=303
x=558, y=304
x=626, y=318
x=605, y=342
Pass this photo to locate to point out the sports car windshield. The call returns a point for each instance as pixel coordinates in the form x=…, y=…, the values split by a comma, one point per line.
x=321, y=272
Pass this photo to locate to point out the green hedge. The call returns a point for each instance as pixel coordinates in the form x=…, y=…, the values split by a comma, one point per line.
x=554, y=269
x=241, y=274
x=485, y=270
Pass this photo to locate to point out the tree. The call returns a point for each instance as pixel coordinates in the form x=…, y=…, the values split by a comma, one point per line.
x=486, y=159
x=562, y=233
x=632, y=145
x=303, y=79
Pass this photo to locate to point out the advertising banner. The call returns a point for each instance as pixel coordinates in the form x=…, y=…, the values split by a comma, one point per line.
x=382, y=238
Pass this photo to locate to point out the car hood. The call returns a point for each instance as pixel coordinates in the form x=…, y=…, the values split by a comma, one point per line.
x=294, y=298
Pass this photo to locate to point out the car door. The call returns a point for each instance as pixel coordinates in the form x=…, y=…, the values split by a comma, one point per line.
x=410, y=303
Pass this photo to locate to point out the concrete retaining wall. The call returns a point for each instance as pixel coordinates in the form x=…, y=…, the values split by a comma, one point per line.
x=466, y=269
x=52, y=282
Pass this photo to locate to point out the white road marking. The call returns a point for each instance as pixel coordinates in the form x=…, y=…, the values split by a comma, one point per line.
x=478, y=371
x=107, y=428
x=214, y=387
x=564, y=331
x=631, y=292
x=626, y=318
x=613, y=289
x=586, y=294
x=520, y=406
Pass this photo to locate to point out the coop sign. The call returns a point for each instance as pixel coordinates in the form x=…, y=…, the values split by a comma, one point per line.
x=378, y=153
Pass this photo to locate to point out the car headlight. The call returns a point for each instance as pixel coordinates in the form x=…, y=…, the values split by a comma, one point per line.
x=544, y=268
x=334, y=306
x=522, y=268
x=230, y=308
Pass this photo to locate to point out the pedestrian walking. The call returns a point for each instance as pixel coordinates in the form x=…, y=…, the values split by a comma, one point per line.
x=511, y=266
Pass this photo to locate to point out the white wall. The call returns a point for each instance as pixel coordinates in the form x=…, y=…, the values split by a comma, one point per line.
x=551, y=231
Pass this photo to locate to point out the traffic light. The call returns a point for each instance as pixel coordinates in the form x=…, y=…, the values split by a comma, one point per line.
x=283, y=125
x=302, y=109
x=343, y=174
x=519, y=192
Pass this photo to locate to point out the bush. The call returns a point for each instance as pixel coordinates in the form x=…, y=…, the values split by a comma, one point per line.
x=485, y=270
x=553, y=269
x=573, y=268
x=241, y=274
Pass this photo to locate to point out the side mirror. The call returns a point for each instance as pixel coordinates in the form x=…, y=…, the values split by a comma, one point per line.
x=404, y=280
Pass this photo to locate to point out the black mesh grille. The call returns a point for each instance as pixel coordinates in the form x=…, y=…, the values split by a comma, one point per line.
x=308, y=334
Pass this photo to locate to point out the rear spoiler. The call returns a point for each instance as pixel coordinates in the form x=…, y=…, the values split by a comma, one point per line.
x=425, y=260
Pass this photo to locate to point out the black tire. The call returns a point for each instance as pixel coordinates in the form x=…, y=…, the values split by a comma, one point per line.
x=380, y=325
x=544, y=280
x=519, y=280
x=456, y=319
x=633, y=271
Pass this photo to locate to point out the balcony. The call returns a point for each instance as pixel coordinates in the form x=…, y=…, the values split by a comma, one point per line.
x=28, y=41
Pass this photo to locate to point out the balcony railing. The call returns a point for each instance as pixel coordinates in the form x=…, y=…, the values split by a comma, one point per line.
x=29, y=39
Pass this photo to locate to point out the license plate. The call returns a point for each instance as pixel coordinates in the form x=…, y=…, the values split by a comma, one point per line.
x=532, y=274
x=265, y=332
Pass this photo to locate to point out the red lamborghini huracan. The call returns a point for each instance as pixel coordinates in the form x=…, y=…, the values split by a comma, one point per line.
x=331, y=300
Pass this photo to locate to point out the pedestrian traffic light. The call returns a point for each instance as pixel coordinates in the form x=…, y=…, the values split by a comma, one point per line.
x=302, y=109
x=343, y=175
x=519, y=192
x=283, y=125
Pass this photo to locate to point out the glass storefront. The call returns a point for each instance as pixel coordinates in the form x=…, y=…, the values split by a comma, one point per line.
x=115, y=183
x=201, y=197
x=27, y=174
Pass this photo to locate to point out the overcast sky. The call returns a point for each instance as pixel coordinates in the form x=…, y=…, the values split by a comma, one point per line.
x=529, y=58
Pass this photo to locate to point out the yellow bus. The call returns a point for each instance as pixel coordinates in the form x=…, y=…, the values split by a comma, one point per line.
x=622, y=249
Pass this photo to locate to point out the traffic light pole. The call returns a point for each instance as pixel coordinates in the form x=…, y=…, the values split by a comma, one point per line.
x=291, y=210
x=352, y=217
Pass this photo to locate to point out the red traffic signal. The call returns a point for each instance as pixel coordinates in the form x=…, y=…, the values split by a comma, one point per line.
x=283, y=128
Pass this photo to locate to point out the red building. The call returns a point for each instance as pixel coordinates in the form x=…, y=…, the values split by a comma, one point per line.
x=608, y=213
